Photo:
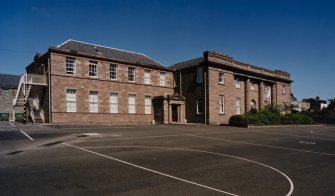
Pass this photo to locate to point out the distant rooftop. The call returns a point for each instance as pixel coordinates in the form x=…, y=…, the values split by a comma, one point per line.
x=8, y=81
x=108, y=52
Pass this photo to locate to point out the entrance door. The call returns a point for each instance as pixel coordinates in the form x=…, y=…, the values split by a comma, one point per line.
x=174, y=113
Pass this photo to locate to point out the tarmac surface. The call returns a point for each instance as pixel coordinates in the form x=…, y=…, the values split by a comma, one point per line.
x=166, y=160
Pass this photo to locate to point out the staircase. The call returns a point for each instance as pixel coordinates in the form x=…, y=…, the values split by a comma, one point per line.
x=22, y=94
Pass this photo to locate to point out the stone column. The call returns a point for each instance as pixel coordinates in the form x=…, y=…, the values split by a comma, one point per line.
x=274, y=94
x=247, y=95
x=261, y=95
x=170, y=113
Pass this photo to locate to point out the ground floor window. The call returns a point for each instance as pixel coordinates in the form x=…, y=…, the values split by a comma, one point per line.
x=93, y=99
x=253, y=104
x=147, y=105
x=238, y=105
x=221, y=108
x=131, y=104
x=113, y=103
x=71, y=105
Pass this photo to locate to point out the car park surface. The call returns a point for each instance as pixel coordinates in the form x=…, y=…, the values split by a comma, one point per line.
x=166, y=160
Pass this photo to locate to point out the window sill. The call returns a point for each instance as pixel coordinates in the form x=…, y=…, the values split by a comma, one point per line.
x=222, y=114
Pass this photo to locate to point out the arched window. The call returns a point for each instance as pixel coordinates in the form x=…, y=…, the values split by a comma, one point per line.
x=253, y=104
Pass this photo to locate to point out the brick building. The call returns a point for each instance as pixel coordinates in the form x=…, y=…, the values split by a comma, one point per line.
x=82, y=83
x=8, y=87
x=216, y=87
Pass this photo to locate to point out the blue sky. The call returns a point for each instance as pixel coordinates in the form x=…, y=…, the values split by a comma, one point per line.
x=295, y=36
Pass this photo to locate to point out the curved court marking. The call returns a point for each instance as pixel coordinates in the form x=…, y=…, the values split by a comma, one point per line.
x=150, y=170
x=291, y=135
x=313, y=132
x=158, y=136
x=264, y=145
x=207, y=152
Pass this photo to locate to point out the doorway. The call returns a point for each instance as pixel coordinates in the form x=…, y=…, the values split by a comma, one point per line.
x=175, y=115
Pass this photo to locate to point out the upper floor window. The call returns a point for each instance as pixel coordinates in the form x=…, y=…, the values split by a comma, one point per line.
x=176, y=78
x=147, y=76
x=113, y=71
x=131, y=74
x=237, y=82
x=70, y=67
x=252, y=85
x=221, y=78
x=93, y=69
x=200, y=74
x=162, y=78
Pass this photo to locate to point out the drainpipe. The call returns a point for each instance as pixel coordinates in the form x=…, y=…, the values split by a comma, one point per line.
x=205, y=86
x=49, y=87
x=180, y=90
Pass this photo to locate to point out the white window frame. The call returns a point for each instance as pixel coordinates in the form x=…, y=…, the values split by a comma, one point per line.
x=114, y=103
x=93, y=102
x=113, y=71
x=221, y=78
x=71, y=100
x=162, y=78
x=93, y=69
x=200, y=74
x=238, y=105
x=147, y=76
x=131, y=74
x=237, y=82
x=221, y=105
x=70, y=64
x=132, y=104
x=147, y=105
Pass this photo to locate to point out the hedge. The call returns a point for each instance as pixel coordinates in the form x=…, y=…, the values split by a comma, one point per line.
x=269, y=118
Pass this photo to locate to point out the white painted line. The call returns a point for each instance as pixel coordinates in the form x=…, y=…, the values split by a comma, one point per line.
x=307, y=142
x=26, y=135
x=150, y=170
x=312, y=132
x=158, y=136
x=291, y=135
x=208, y=152
x=91, y=134
x=264, y=145
x=12, y=124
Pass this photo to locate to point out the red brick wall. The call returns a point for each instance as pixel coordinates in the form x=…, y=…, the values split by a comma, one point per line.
x=83, y=84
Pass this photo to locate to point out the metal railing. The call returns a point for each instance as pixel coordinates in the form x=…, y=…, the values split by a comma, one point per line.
x=35, y=79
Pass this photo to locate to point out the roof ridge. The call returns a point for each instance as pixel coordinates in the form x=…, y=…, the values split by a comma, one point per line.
x=109, y=48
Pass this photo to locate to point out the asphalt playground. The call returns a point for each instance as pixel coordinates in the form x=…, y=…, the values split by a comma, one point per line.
x=166, y=160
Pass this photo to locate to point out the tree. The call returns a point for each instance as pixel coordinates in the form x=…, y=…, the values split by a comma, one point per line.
x=288, y=107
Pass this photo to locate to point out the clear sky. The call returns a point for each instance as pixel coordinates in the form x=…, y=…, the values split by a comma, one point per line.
x=295, y=36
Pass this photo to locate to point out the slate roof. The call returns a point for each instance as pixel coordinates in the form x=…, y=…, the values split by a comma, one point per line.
x=107, y=52
x=8, y=81
x=187, y=64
